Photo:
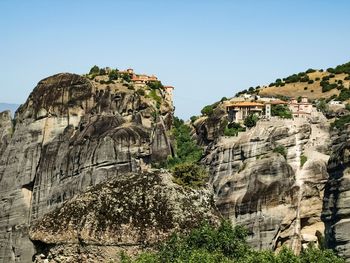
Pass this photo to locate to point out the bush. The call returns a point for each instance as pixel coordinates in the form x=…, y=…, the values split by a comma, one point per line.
x=344, y=95
x=331, y=70
x=207, y=110
x=95, y=70
x=153, y=95
x=224, y=244
x=310, y=81
x=186, y=148
x=113, y=75
x=190, y=174
x=233, y=129
x=281, y=111
x=303, y=160
x=305, y=88
x=281, y=150
x=193, y=119
x=154, y=85
x=341, y=122
x=251, y=121
x=310, y=70
x=126, y=77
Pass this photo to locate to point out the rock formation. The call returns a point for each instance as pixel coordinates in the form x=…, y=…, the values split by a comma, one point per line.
x=127, y=212
x=279, y=198
x=71, y=134
x=336, y=212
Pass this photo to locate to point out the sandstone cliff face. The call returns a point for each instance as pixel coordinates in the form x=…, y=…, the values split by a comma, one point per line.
x=336, y=212
x=278, y=198
x=72, y=133
x=128, y=212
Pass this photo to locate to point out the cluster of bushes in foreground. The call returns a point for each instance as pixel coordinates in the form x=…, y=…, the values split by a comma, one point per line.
x=224, y=244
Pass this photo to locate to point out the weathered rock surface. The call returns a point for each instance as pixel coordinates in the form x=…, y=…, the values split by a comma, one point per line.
x=336, y=207
x=72, y=133
x=6, y=130
x=127, y=212
x=276, y=197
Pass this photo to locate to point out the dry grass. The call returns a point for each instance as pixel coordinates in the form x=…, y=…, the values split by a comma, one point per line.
x=313, y=91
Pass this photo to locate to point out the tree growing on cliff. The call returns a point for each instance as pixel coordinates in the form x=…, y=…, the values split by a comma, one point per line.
x=225, y=244
x=94, y=70
x=250, y=121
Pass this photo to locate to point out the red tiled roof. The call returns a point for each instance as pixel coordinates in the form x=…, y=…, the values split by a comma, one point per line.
x=246, y=104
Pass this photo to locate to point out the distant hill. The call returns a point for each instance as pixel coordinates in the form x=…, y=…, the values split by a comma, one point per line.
x=8, y=106
x=332, y=83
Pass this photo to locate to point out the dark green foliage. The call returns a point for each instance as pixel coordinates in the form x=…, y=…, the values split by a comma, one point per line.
x=193, y=119
x=207, y=110
x=331, y=70
x=310, y=81
x=225, y=244
x=326, y=86
x=331, y=76
x=186, y=148
x=154, y=85
x=344, y=68
x=304, y=78
x=102, y=71
x=95, y=70
x=126, y=77
x=341, y=122
x=113, y=75
x=190, y=174
x=310, y=70
x=281, y=150
x=141, y=92
x=344, y=95
x=153, y=95
x=250, y=121
x=317, y=79
x=305, y=88
x=232, y=129
x=223, y=99
x=347, y=106
x=303, y=160
x=281, y=111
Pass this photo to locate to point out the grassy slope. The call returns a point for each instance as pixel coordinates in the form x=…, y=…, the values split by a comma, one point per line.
x=313, y=91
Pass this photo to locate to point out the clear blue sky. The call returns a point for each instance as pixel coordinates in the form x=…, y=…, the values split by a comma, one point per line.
x=206, y=49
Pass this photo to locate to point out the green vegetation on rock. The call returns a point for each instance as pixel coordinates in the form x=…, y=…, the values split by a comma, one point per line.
x=281, y=111
x=281, y=150
x=224, y=244
x=207, y=110
x=232, y=129
x=250, y=121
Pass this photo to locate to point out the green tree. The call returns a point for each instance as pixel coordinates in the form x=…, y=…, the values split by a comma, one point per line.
x=251, y=120
x=207, y=110
x=281, y=111
x=95, y=70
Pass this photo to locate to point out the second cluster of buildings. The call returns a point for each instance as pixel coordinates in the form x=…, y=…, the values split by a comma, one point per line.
x=239, y=110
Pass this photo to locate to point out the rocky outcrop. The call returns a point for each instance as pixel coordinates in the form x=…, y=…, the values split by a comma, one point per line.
x=336, y=212
x=6, y=130
x=129, y=212
x=271, y=179
x=71, y=134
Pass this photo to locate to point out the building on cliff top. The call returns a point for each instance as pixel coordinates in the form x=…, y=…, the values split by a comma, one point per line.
x=239, y=110
x=300, y=109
